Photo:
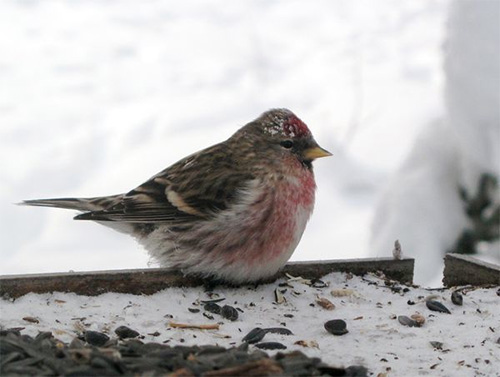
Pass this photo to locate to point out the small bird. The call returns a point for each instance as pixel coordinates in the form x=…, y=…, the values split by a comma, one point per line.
x=234, y=211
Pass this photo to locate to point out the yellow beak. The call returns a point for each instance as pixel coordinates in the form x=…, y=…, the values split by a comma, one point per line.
x=315, y=152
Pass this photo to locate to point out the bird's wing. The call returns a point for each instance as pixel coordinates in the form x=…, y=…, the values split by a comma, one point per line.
x=197, y=187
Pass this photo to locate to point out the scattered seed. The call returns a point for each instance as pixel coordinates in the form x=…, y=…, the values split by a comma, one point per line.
x=317, y=283
x=270, y=346
x=278, y=330
x=457, y=298
x=356, y=370
x=255, y=335
x=325, y=303
x=194, y=310
x=336, y=327
x=125, y=332
x=12, y=330
x=212, y=301
x=278, y=296
x=31, y=319
x=307, y=343
x=229, y=312
x=437, y=306
x=26, y=356
x=209, y=316
x=418, y=318
x=43, y=335
x=298, y=279
x=343, y=292
x=76, y=344
x=96, y=338
x=437, y=345
x=212, y=307
x=406, y=321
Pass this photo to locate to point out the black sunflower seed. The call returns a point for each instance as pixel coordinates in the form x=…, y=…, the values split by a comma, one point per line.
x=229, y=312
x=212, y=301
x=278, y=330
x=336, y=327
x=125, y=332
x=457, y=298
x=254, y=336
x=270, y=346
x=407, y=321
x=356, y=371
x=212, y=307
x=21, y=355
x=96, y=338
x=436, y=306
x=437, y=345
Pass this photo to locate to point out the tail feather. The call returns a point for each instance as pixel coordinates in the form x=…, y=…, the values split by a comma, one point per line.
x=79, y=204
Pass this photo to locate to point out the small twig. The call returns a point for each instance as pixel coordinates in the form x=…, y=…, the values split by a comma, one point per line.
x=212, y=326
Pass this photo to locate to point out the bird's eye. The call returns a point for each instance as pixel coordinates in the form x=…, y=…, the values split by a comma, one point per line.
x=287, y=144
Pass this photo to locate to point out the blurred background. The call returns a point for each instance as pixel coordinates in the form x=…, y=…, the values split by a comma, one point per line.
x=97, y=96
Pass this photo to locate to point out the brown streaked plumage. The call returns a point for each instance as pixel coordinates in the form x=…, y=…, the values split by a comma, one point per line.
x=235, y=210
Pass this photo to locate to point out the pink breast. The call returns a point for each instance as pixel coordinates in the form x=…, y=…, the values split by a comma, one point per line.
x=293, y=202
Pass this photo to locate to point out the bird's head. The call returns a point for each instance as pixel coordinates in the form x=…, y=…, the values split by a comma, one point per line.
x=284, y=133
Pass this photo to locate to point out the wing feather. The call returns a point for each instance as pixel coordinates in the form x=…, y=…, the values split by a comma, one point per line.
x=187, y=191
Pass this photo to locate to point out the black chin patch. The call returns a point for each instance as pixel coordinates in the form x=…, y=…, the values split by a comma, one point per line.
x=307, y=164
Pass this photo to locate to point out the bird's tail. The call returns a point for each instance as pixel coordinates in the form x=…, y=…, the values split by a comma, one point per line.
x=80, y=204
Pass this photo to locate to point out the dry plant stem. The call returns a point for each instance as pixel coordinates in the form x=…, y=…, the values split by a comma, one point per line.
x=214, y=326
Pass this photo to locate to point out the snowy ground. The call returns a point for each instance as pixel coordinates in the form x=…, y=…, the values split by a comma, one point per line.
x=470, y=335
x=95, y=97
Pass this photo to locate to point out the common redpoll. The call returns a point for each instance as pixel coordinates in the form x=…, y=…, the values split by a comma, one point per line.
x=234, y=211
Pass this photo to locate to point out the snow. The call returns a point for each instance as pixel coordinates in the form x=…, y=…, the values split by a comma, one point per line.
x=422, y=206
x=375, y=339
x=96, y=97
